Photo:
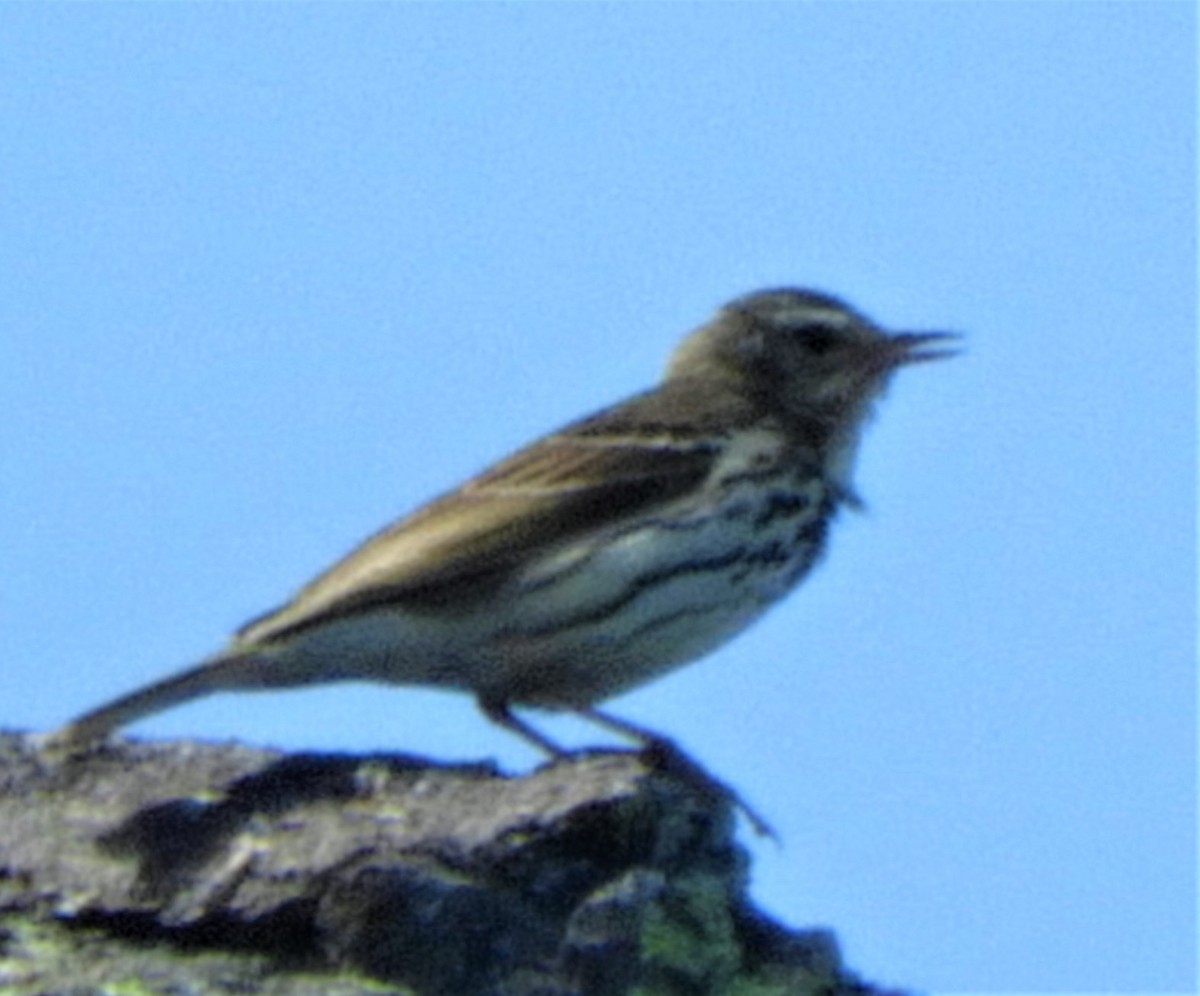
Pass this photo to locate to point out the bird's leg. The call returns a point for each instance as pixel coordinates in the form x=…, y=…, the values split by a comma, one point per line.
x=666, y=755
x=501, y=714
x=660, y=752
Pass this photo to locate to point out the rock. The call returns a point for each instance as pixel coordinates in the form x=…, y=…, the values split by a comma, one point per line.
x=201, y=868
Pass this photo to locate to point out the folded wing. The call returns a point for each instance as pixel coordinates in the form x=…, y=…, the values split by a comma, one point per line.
x=592, y=476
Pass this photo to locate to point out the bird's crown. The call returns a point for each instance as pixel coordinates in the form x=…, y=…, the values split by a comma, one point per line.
x=787, y=307
x=778, y=334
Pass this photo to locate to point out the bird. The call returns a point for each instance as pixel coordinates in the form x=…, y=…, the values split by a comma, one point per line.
x=601, y=556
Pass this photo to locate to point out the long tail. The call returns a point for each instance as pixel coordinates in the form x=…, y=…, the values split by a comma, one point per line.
x=215, y=674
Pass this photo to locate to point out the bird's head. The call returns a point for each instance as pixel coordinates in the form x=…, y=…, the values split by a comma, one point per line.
x=804, y=350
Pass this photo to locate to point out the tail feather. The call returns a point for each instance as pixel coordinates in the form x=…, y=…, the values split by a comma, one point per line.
x=222, y=672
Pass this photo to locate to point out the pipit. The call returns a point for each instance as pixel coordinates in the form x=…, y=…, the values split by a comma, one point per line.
x=604, y=554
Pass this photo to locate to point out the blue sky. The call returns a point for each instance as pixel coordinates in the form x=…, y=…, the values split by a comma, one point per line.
x=276, y=274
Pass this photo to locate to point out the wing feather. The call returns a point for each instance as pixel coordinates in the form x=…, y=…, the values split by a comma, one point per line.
x=592, y=475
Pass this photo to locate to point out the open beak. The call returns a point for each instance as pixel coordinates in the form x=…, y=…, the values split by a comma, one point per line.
x=913, y=347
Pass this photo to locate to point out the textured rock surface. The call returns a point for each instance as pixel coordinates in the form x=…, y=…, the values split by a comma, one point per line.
x=216, y=868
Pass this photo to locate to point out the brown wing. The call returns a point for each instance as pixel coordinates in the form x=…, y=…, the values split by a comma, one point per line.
x=591, y=475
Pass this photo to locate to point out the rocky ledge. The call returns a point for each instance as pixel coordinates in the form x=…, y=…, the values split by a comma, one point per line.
x=204, y=868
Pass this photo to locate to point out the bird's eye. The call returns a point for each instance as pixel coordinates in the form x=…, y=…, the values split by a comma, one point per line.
x=818, y=340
